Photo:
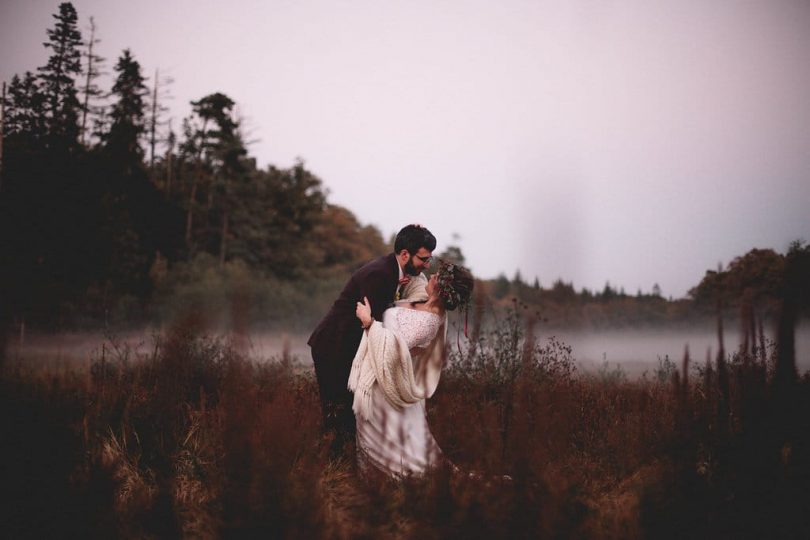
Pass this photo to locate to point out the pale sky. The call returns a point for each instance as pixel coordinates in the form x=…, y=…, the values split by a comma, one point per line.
x=633, y=142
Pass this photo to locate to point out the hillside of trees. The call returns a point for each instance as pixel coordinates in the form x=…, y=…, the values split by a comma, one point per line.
x=96, y=229
x=110, y=217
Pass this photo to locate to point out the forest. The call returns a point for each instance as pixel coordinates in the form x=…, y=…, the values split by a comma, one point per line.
x=112, y=217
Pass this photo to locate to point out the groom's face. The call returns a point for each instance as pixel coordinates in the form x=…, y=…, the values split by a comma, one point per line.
x=417, y=262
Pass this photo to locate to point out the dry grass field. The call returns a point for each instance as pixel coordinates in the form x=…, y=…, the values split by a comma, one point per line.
x=192, y=440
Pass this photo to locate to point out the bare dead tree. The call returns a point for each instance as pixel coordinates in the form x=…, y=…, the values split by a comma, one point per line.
x=171, y=140
x=91, y=74
x=2, y=130
x=153, y=120
x=158, y=96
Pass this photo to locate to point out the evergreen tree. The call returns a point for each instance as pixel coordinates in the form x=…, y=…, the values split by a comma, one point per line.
x=137, y=224
x=47, y=210
x=23, y=106
x=212, y=135
x=127, y=112
x=275, y=220
x=501, y=287
x=608, y=292
x=453, y=254
x=58, y=79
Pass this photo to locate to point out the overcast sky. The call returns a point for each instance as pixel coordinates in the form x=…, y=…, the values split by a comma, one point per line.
x=633, y=142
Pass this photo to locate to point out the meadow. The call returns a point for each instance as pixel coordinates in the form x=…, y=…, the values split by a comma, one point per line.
x=192, y=439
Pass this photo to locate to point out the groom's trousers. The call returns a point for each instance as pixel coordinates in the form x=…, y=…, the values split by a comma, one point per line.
x=332, y=373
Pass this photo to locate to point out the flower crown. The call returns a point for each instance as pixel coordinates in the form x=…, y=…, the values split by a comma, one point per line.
x=449, y=292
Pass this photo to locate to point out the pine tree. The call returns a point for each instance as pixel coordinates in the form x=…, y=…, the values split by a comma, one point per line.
x=23, y=109
x=127, y=112
x=135, y=212
x=212, y=134
x=58, y=79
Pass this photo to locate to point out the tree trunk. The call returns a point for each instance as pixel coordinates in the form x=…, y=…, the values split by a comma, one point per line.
x=169, y=174
x=189, y=219
x=89, y=76
x=223, y=242
x=194, y=181
x=153, y=123
x=2, y=130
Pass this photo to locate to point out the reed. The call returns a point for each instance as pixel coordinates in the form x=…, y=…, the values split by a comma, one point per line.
x=193, y=440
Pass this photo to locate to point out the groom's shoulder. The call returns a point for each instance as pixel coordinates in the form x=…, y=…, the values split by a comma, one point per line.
x=382, y=264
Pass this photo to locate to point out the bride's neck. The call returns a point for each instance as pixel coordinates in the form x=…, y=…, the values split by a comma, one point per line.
x=434, y=305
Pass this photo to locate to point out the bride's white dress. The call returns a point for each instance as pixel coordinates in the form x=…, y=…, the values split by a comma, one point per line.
x=399, y=442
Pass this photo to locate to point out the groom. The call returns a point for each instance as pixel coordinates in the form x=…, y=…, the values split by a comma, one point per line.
x=335, y=340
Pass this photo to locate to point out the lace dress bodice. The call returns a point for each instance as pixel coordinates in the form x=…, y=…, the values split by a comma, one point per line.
x=417, y=328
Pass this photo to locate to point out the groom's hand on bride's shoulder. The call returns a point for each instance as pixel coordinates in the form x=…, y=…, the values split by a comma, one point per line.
x=363, y=312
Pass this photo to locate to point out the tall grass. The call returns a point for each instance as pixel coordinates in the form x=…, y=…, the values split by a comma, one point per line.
x=193, y=440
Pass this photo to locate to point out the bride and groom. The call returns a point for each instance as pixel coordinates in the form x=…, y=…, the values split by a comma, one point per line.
x=379, y=351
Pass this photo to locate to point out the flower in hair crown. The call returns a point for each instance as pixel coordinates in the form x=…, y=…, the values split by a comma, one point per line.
x=446, y=284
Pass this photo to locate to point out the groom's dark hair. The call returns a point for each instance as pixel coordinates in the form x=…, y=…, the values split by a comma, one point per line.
x=413, y=237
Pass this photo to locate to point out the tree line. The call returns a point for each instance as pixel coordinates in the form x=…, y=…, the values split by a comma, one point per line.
x=90, y=221
x=758, y=286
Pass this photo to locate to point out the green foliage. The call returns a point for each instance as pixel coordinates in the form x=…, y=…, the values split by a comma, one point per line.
x=234, y=294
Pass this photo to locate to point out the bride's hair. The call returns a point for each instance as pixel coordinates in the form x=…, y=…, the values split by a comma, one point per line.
x=455, y=284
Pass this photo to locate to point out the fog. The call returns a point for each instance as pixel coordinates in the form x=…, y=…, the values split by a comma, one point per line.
x=640, y=350
x=634, y=351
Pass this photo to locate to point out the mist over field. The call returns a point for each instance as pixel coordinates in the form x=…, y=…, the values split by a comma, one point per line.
x=635, y=351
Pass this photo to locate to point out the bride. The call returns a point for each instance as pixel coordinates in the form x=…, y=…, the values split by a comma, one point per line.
x=397, y=367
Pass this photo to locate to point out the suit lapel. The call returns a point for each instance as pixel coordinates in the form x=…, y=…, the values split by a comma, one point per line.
x=394, y=269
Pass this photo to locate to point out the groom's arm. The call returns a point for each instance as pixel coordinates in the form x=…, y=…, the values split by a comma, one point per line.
x=376, y=287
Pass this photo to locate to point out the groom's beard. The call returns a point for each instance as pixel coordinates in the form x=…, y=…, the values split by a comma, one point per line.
x=409, y=268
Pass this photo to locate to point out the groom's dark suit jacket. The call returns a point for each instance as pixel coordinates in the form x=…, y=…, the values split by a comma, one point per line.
x=335, y=340
x=337, y=336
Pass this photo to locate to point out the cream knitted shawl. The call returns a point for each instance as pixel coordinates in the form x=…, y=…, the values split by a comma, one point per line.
x=383, y=359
